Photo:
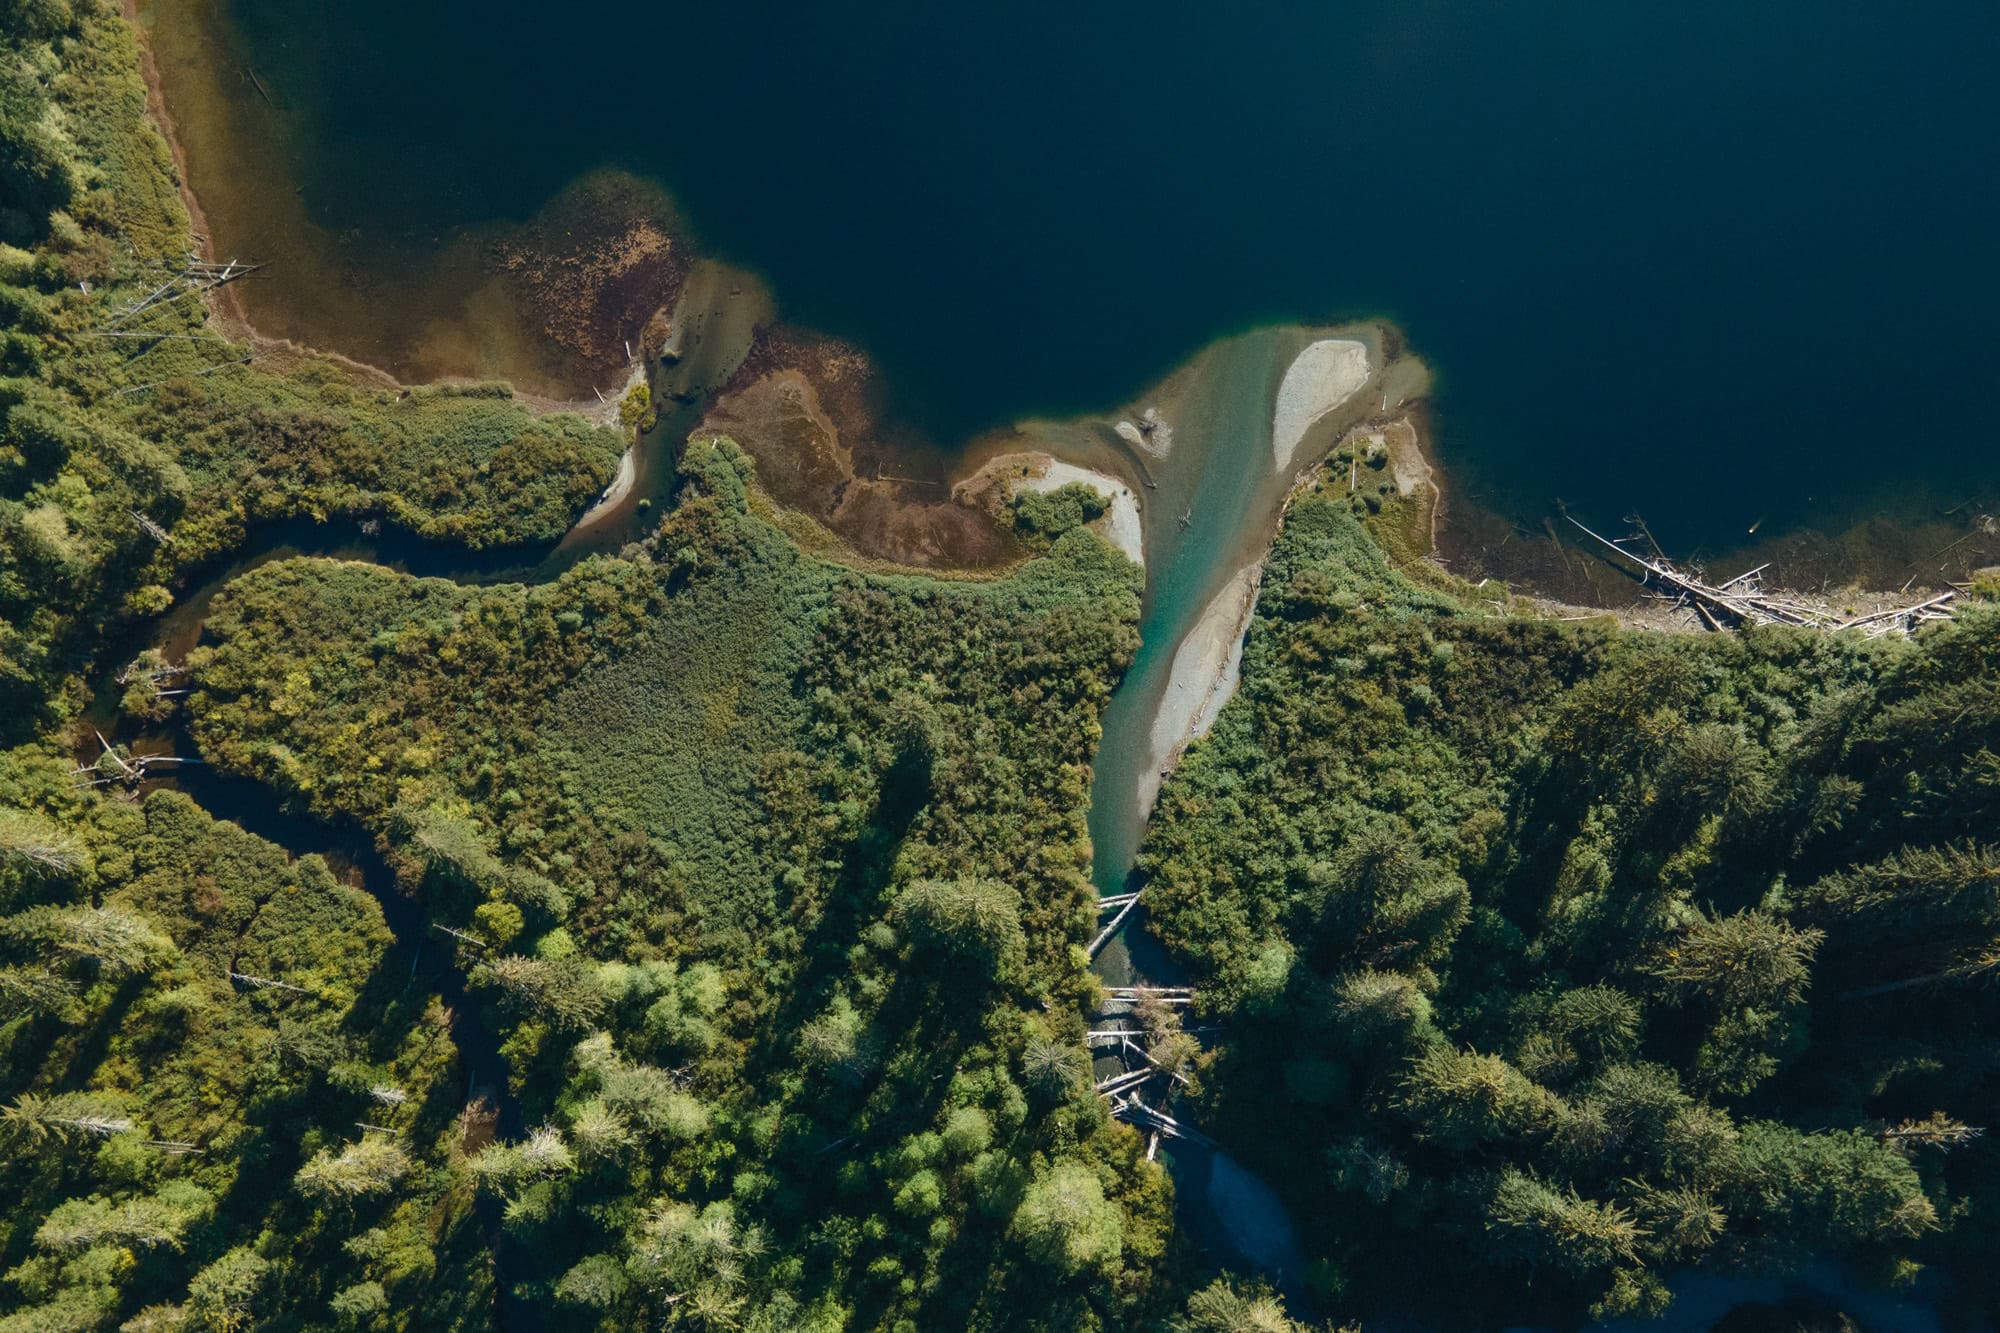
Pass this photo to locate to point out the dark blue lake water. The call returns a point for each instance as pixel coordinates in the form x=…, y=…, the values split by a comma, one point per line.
x=1721, y=262
x=1718, y=260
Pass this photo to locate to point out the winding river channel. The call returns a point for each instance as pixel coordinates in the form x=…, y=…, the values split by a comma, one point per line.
x=1225, y=441
x=1213, y=492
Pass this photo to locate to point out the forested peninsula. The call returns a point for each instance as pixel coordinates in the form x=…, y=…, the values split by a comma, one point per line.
x=699, y=935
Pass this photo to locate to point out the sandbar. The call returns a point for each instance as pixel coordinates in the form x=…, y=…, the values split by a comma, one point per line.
x=1204, y=674
x=1120, y=524
x=1322, y=377
x=615, y=493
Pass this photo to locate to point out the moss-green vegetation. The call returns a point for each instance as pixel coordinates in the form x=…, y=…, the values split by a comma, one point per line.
x=782, y=871
x=165, y=1121
x=1581, y=956
x=1042, y=516
x=101, y=436
x=178, y=1147
x=1558, y=958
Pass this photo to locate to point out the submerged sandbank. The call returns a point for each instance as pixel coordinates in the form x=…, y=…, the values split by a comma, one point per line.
x=1147, y=432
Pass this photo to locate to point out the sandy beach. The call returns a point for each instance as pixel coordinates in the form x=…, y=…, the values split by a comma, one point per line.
x=1322, y=377
x=1119, y=524
x=1206, y=667
x=615, y=493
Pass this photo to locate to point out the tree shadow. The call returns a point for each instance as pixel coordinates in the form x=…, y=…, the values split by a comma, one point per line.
x=855, y=899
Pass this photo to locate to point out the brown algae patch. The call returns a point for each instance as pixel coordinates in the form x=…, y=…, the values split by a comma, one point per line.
x=808, y=411
x=547, y=304
x=592, y=268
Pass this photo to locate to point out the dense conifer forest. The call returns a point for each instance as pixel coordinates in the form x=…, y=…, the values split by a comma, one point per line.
x=697, y=939
x=1582, y=956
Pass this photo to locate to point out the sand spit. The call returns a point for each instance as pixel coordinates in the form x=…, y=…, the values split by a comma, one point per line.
x=1207, y=666
x=1148, y=434
x=1322, y=377
x=1003, y=477
x=614, y=494
x=1224, y=686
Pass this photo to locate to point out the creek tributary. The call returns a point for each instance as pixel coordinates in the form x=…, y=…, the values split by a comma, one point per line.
x=352, y=854
x=715, y=322
x=1212, y=499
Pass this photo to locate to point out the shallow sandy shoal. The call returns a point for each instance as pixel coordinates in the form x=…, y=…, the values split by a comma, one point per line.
x=1322, y=377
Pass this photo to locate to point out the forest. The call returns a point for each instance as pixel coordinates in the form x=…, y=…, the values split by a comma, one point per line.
x=1581, y=956
x=137, y=443
x=776, y=878
x=696, y=939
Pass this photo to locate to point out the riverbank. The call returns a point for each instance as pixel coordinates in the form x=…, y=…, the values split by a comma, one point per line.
x=1210, y=506
x=1203, y=675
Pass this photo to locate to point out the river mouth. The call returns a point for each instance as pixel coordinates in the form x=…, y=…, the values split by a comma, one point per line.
x=470, y=304
x=1214, y=493
x=416, y=219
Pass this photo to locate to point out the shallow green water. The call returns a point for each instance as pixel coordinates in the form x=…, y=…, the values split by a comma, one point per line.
x=1650, y=247
x=1210, y=514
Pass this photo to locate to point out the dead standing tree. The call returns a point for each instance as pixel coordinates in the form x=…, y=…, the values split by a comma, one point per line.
x=264, y=983
x=195, y=277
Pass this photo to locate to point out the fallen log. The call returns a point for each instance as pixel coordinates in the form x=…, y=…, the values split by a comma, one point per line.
x=1121, y=1082
x=1111, y=928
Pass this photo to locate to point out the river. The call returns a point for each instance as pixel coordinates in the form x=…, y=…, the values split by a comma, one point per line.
x=1213, y=489
x=1208, y=517
x=351, y=852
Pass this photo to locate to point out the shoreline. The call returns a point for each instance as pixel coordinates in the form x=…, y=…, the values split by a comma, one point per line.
x=282, y=352
x=1319, y=381
x=1000, y=478
x=606, y=504
x=1220, y=500
x=1463, y=535
x=225, y=304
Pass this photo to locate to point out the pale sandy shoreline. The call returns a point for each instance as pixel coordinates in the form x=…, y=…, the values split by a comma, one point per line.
x=1120, y=523
x=1206, y=668
x=614, y=494
x=226, y=305
x=1119, y=526
x=1149, y=434
x=1321, y=377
